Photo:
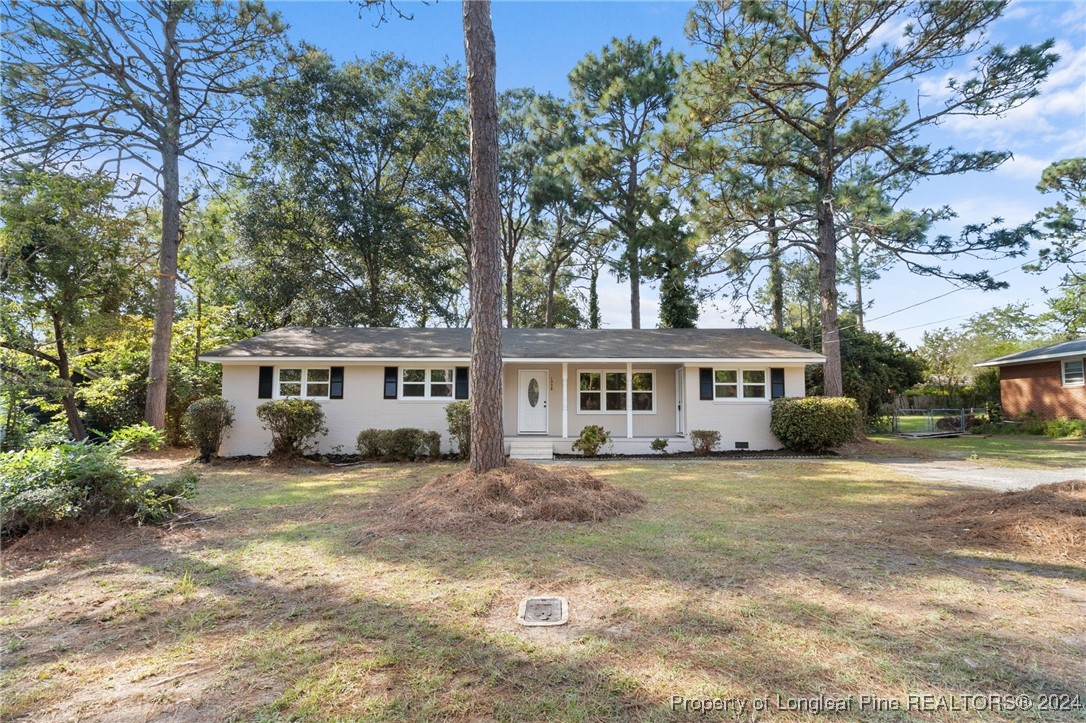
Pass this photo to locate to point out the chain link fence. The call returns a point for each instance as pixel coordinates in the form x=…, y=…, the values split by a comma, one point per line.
x=937, y=421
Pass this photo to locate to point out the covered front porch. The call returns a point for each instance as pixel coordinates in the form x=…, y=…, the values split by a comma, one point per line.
x=548, y=404
x=541, y=447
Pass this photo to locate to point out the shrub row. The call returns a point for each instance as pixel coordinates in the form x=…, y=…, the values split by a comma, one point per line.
x=75, y=480
x=1061, y=427
x=406, y=444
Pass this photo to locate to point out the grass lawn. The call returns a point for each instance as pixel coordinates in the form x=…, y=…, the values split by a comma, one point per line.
x=998, y=450
x=738, y=579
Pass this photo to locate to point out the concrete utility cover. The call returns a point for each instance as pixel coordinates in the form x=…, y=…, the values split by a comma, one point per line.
x=539, y=611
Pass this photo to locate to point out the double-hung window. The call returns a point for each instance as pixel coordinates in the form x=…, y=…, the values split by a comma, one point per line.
x=427, y=383
x=606, y=392
x=303, y=383
x=739, y=383
x=1073, y=373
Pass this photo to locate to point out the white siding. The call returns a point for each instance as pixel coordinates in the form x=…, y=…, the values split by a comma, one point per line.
x=659, y=424
x=363, y=405
x=738, y=421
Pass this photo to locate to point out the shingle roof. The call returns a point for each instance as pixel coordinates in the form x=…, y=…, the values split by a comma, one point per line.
x=1073, y=348
x=387, y=343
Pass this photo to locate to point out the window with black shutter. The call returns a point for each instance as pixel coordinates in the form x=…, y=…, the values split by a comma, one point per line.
x=392, y=375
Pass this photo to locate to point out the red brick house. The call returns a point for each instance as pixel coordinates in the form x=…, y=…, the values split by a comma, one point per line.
x=1049, y=381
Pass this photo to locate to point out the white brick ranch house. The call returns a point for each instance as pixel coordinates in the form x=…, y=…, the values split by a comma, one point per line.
x=639, y=384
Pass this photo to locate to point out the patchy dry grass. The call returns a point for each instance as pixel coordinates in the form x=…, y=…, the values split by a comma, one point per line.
x=996, y=450
x=736, y=579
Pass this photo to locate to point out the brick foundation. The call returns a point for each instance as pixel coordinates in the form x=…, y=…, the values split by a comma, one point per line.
x=1039, y=387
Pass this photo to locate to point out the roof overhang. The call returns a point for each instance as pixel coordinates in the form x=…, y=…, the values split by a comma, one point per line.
x=1031, y=360
x=505, y=360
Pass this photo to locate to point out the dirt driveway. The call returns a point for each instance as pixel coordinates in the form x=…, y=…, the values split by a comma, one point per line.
x=979, y=475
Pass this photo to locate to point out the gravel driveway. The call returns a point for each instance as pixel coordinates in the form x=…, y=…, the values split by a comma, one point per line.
x=972, y=473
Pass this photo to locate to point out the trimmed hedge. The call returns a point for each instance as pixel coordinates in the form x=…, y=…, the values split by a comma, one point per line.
x=815, y=424
x=205, y=421
x=458, y=415
x=405, y=444
x=704, y=440
x=293, y=423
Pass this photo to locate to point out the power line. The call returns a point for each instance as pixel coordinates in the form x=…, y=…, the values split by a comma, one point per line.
x=1017, y=267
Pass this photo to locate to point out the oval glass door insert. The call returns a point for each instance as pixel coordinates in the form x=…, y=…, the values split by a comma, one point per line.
x=533, y=393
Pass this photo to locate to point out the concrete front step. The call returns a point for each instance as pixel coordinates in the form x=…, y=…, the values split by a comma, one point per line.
x=527, y=448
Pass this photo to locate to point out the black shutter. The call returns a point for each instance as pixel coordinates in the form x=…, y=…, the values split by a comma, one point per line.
x=335, y=389
x=461, y=382
x=392, y=382
x=264, y=391
x=776, y=383
x=705, y=376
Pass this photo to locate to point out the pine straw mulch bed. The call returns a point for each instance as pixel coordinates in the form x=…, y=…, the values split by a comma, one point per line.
x=518, y=492
x=1048, y=519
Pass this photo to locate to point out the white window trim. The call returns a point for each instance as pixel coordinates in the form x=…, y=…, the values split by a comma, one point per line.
x=427, y=385
x=304, y=382
x=1063, y=372
x=603, y=391
x=739, y=385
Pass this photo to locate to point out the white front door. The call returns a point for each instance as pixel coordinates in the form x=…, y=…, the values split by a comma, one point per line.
x=680, y=394
x=532, y=401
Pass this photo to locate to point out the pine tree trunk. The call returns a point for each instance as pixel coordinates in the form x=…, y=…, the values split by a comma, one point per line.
x=487, y=437
x=509, y=318
x=165, y=295
x=552, y=282
x=635, y=292
x=594, y=299
x=827, y=292
x=857, y=281
x=71, y=411
x=776, y=276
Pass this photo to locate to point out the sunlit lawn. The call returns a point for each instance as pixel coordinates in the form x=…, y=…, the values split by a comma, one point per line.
x=738, y=579
x=999, y=450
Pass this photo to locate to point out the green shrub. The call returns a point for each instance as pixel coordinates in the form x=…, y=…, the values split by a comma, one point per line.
x=369, y=443
x=1064, y=427
x=704, y=440
x=159, y=498
x=658, y=445
x=458, y=415
x=50, y=434
x=137, y=438
x=592, y=438
x=205, y=421
x=814, y=424
x=293, y=424
x=76, y=480
x=406, y=444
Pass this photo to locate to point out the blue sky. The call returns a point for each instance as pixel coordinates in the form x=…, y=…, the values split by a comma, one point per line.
x=538, y=43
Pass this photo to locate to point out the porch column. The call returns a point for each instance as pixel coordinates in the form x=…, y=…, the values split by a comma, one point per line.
x=629, y=400
x=565, y=400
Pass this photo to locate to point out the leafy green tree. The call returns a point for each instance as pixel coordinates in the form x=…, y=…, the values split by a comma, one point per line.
x=66, y=258
x=623, y=96
x=1065, y=222
x=816, y=68
x=518, y=156
x=877, y=367
x=544, y=300
x=566, y=219
x=331, y=225
x=1066, y=313
x=137, y=87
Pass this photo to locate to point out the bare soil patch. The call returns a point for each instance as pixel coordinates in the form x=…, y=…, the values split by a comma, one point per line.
x=1048, y=519
x=515, y=493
